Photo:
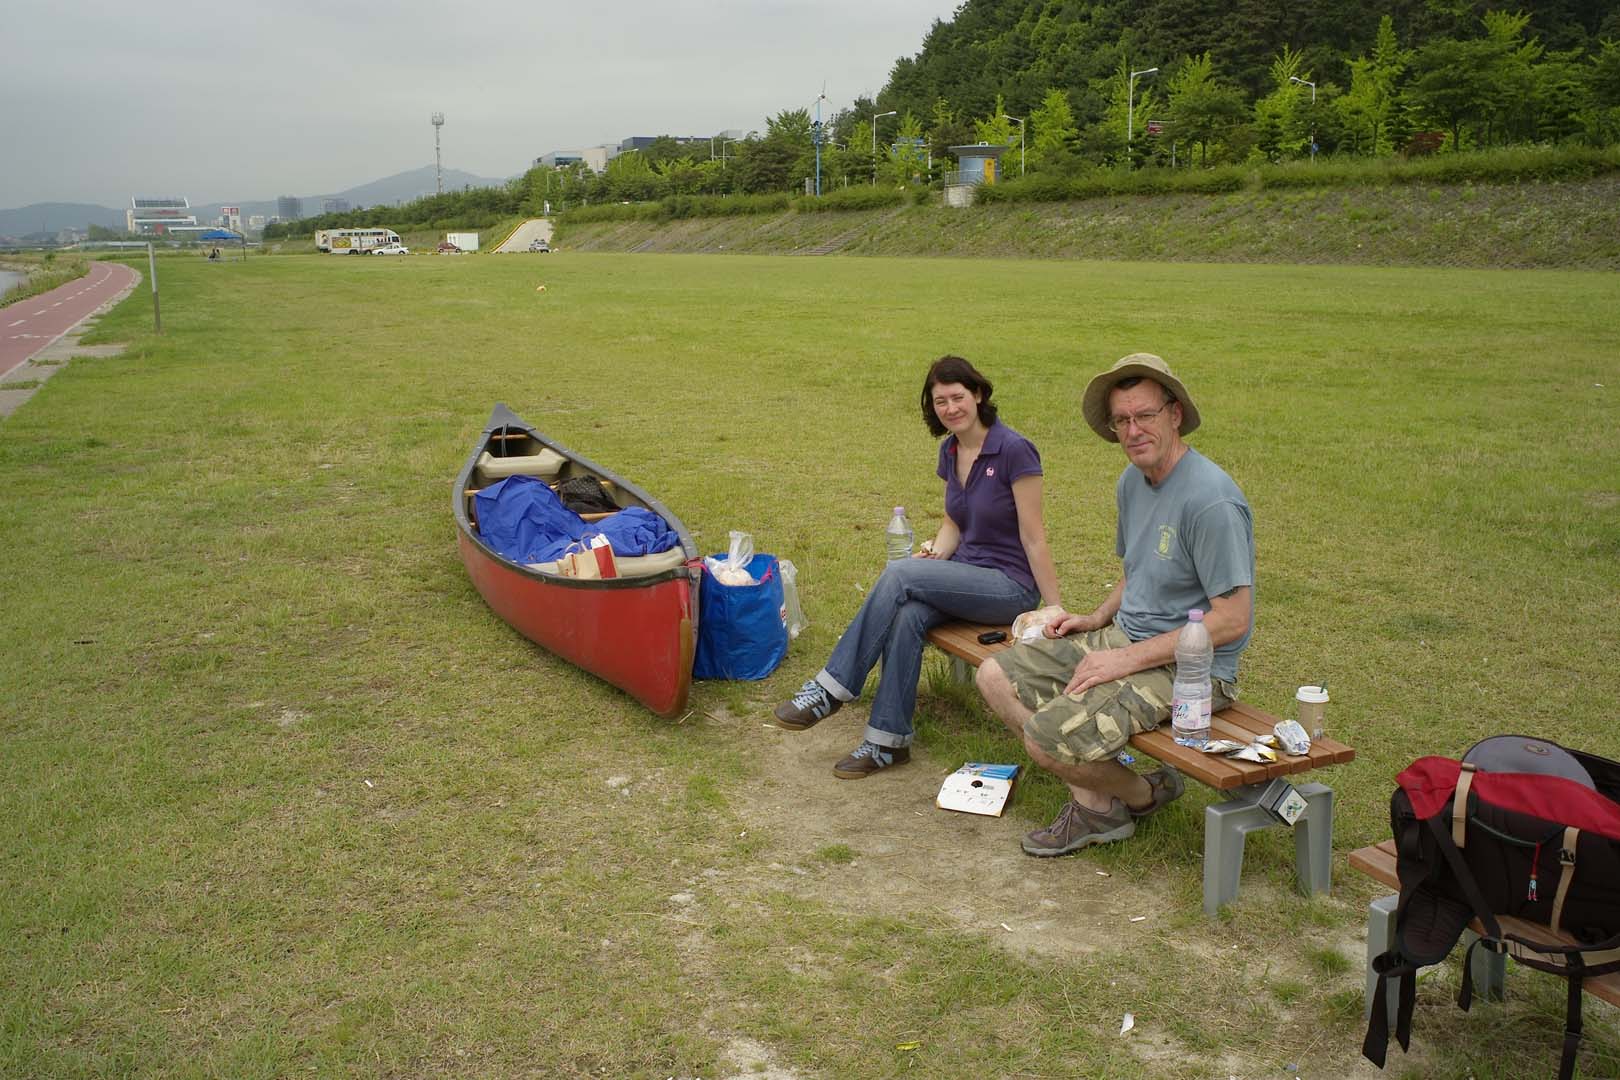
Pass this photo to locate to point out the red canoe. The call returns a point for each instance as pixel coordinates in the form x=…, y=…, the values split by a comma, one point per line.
x=635, y=631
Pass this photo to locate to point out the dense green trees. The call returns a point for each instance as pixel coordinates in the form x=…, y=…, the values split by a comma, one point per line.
x=1235, y=78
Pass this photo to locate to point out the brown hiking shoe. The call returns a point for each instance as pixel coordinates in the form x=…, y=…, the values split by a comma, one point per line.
x=1076, y=828
x=807, y=708
x=1167, y=787
x=868, y=758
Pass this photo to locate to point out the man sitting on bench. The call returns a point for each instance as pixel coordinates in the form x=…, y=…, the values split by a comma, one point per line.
x=1186, y=538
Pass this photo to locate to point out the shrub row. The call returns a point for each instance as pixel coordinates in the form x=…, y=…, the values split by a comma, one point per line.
x=1506, y=166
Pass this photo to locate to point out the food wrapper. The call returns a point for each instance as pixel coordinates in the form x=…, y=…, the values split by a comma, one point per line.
x=1293, y=738
x=1265, y=755
x=1222, y=746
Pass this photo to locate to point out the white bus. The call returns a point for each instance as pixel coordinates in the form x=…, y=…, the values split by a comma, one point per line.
x=353, y=241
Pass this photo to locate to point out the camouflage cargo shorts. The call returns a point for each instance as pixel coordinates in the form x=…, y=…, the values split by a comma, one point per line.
x=1095, y=725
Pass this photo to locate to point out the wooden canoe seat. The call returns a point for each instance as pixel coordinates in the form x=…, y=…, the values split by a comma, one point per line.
x=547, y=464
x=631, y=565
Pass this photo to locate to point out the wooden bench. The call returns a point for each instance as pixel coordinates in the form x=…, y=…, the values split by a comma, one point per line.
x=1488, y=969
x=1241, y=784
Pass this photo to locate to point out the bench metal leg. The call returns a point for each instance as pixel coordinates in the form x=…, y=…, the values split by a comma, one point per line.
x=1489, y=970
x=1313, y=840
x=1380, y=936
x=1226, y=825
x=960, y=672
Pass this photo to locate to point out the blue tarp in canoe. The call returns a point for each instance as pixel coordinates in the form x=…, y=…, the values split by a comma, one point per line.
x=523, y=520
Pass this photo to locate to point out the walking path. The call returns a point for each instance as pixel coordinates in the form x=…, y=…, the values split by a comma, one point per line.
x=40, y=334
x=533, y=229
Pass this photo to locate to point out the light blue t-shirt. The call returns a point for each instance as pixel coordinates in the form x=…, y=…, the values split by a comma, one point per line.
x=1188, y=539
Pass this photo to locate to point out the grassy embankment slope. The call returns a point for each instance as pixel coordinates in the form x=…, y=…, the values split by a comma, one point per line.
x=281, y=796
x=1574, y=225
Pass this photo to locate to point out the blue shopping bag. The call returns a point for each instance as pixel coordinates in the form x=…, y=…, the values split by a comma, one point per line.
x=742, y=629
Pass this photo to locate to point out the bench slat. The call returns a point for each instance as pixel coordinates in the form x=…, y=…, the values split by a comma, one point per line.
x=1378, y=862
x=1239, y=721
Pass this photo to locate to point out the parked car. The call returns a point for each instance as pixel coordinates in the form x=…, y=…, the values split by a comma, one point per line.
x=391, y=249
x=449, y=249
x=541, y=246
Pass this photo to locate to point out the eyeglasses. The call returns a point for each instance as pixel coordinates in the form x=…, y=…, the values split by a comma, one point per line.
x=1117, y=424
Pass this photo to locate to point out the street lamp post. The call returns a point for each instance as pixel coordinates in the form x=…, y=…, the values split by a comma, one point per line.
x=1019, y=121
x=1307, y=82
x=875, y=118
x=1130, y=106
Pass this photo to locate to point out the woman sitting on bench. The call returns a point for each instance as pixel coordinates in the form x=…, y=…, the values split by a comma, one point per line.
x=988, y=563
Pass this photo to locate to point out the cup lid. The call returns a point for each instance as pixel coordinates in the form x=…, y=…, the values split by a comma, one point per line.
x=1314, y=694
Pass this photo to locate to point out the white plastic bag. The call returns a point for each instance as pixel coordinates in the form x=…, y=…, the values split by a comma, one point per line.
x=790, y=598
x=1030, y=625
x=733, y=569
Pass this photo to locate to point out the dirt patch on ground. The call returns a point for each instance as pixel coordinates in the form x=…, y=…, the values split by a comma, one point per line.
x=916, y=862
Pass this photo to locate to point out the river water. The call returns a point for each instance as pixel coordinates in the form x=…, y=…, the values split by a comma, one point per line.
x=9, y=278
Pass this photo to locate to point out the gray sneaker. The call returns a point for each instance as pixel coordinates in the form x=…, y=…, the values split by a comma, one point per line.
x=1076, y=828
x=807, y=708
x=1167, y=787
x=869, y=758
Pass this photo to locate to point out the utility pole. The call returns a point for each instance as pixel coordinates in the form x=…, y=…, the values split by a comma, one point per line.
x=1130, y=111
x=438, y=161
x=819, y=136
x=151, y=264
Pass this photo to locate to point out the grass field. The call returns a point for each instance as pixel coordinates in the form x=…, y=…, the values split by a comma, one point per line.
x=281, y=796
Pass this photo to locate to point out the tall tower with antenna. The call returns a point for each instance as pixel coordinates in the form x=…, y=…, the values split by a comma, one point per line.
x=438, y=160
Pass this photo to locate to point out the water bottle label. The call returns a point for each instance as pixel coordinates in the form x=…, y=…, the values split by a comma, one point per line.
x=1189, y=714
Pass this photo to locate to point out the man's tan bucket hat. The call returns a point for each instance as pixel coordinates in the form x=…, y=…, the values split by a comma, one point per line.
x=1145, y=365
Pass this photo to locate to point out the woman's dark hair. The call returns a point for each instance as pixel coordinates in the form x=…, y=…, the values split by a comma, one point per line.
x=954, y=369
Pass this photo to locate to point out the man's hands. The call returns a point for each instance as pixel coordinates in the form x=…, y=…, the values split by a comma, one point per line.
x=1104, y=665
x=1096, y=668
x=1063, y=624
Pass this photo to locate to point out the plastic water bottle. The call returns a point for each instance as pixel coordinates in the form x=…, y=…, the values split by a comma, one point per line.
x=1190, y=700
x=898, y=536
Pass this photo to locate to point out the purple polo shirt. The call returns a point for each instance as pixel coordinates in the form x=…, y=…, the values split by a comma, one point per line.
x=984, y=509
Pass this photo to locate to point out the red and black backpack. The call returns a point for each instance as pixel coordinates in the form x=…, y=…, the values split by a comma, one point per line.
x=1520, y=827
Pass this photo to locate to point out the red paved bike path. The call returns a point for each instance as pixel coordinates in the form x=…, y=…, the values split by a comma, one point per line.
x=28, y=326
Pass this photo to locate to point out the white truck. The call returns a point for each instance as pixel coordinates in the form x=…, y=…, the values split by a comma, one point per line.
x=353, y=241
x=462, y=241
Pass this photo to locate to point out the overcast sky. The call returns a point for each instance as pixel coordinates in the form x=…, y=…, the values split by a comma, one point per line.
x=240, y=101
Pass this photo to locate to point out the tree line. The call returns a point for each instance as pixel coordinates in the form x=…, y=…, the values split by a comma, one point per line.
x=1069, y=86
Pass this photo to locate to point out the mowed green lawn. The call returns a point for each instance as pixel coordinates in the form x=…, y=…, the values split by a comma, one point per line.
x=280, y=796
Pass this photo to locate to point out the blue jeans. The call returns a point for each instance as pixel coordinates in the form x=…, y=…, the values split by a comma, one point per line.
x=911, y=598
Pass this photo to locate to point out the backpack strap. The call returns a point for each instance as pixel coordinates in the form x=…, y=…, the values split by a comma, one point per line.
x=1572, y=1024
x=1459, y=805
x=1464, y=877
x=1391, y=967
x=1566, y=874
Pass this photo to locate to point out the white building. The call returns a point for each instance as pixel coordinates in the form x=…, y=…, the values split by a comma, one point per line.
x=594, y=157
x=156, y=216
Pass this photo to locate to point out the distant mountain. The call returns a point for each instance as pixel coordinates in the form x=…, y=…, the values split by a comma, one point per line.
x=391, y=190
x=402, y=187
x=51, y=217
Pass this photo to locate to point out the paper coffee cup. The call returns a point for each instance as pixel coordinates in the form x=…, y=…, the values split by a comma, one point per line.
x=1312, y=707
